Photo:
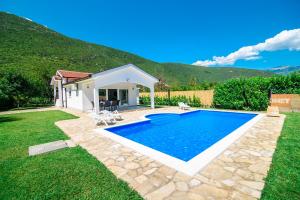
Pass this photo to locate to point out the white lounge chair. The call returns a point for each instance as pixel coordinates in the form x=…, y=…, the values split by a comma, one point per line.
x=115, y=114
x=103, y=119
x=183, y=106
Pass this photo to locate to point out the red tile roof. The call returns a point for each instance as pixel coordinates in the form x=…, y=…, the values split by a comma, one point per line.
x=73, y=74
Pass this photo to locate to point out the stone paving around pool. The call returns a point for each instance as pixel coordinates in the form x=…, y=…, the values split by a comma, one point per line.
x=238, y=173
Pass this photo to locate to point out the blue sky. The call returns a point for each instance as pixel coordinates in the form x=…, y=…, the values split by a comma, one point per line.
x=175, y=31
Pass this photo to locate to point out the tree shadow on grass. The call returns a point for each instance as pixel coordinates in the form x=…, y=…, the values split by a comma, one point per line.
x=9, y=119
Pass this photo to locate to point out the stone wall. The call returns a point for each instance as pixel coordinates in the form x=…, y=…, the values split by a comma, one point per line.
x=286, y=102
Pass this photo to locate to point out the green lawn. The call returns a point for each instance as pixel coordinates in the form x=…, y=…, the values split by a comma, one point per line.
x=63, y=174
x=283, y=180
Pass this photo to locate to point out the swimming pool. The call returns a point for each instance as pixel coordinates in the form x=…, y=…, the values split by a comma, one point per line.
x=181, y=138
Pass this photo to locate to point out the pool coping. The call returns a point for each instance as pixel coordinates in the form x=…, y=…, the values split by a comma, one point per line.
x=197, y=163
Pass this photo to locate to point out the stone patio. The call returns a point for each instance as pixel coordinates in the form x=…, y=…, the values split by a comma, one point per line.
x=238, y=173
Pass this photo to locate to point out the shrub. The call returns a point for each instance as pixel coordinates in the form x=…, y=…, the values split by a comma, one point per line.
x=173, y=101
x=38, y=102
x=286, y=84
x=253, y=93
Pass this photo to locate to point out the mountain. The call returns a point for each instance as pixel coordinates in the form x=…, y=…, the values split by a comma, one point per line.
x=37, y=52
x=284, y=69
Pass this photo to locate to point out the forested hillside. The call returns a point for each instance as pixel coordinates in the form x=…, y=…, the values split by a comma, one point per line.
x=36, y=52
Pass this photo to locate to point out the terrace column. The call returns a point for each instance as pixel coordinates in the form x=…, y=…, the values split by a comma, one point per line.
x=54, y=90
x=60, y=94
x=152, y=96
x=96, y=100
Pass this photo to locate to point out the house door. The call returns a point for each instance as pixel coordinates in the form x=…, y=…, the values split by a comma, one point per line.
x=123, y=94
x=112, y=94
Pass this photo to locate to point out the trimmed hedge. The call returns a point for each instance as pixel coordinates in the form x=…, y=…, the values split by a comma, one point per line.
x=253, y=93
x=173, y=101
x=286, y=84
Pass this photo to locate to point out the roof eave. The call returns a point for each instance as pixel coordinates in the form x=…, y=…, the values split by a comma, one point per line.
x=78, y=80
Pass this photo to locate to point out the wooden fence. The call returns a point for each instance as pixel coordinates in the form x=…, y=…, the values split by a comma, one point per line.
x=206, y=96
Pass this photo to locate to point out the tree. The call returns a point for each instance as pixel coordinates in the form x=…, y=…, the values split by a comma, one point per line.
x=162, y=85
x=15, y=90
x=193, y=81
x=5, y=90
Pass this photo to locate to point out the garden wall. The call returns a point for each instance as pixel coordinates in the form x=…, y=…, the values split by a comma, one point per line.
x=205, y=96
x=286, y=102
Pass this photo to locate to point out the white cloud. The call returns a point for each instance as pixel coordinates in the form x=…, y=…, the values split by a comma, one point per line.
x=285, y=40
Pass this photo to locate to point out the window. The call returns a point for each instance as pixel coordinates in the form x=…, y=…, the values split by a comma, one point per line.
x=56, y=96
x=123, y=94
x=77, y=89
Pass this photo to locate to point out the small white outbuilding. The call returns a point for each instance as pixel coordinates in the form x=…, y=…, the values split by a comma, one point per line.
x=86, y=91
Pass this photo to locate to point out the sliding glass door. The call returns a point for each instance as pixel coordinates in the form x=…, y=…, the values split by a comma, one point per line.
x=123, y=95
x=112, y=94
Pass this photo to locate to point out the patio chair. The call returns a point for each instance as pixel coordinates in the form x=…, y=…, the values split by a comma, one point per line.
x=115, y=114
x=183, y=106
x=114, y=105
x=101, y=105
x=107, y=104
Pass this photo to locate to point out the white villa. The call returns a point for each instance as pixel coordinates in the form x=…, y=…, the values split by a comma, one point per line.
x=84, y=91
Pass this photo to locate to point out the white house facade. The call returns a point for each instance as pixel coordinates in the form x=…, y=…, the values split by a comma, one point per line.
x=92, y=92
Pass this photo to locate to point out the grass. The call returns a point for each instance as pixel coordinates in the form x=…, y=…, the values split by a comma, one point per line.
x=283, y=180
x=2, y=109
x=75, y=174
x=32, y=107
x=70, y=173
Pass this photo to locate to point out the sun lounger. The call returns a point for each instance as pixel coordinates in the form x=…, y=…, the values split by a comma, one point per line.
x=103, y=119
x=183, y=106
x=115, y=114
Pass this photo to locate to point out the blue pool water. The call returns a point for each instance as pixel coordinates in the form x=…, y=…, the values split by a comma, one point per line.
x=183, y=136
